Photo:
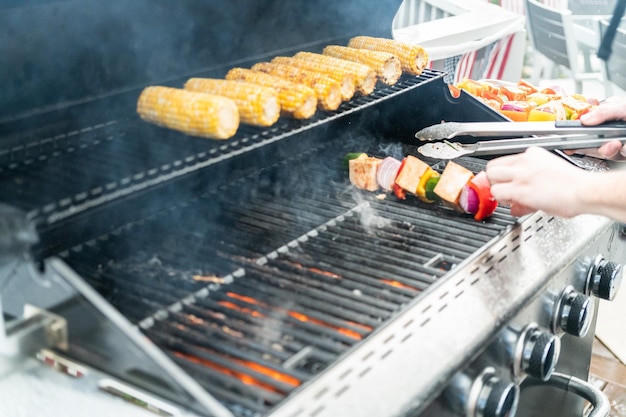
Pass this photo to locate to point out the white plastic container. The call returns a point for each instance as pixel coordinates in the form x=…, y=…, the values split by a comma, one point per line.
x=466, y=38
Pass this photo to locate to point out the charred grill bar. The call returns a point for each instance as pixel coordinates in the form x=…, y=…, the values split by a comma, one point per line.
x=247, y=277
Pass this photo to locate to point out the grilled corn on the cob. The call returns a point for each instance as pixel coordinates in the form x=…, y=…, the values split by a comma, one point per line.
x=193, y=113
x=412, y=57
x=327, y=90
x=344, y=79
x=364, y=76
x=258, y=105
x=386, y=65
x=296, y=100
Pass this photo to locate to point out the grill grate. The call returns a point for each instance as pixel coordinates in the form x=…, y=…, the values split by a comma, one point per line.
x=255, y=294
x=53, y=170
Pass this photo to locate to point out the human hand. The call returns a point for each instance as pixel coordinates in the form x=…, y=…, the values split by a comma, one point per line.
x=613, y=108
x=613, y=150
x=536, y=180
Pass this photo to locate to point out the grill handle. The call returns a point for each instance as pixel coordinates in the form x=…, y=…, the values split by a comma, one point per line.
x=598, y=400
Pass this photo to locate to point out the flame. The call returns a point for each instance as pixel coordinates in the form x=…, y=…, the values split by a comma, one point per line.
x=298, y=316
x=195, y=319
x=317, y=270
x=272, y=373
x=243, y=377
x=398, y=284
x=362, y=326
x=304, y=318
x=325, y=273
x=208, y=278
x=199, y=322
x=234, y=306
x=244, y=298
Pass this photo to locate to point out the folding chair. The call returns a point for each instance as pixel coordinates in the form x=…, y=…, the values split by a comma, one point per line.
x=551, y=33
x=614, y=69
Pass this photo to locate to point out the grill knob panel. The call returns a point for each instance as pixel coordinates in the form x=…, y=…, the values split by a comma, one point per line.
x=604, y=278
x=574, y=313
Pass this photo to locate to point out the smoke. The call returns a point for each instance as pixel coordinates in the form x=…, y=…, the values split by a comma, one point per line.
x=369, y=218
x=393, y=149
x=58, y=51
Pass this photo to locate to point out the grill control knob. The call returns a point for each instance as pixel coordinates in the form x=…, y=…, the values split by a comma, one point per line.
x=537, y=353
x=497, y=398
x=604, y=278
x=482, y=395
x=574, y=313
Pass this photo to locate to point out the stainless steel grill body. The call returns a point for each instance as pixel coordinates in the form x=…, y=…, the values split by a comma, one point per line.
x=249, y=278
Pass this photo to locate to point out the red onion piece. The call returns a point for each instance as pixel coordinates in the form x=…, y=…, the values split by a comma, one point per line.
x=387, y=172
x=512, y=107
x=468, y=200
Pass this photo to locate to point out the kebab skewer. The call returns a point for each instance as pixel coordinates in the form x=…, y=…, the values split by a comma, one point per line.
x=456, y=187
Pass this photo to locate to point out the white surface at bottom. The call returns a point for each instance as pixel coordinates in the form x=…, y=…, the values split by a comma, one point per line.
x=611, y=329
x=35, y=389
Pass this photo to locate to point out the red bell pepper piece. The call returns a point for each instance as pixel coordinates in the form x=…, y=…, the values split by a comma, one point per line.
x=398, y=191
x=486, y=203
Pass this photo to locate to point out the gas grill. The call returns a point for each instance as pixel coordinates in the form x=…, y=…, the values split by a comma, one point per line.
x=248, y=277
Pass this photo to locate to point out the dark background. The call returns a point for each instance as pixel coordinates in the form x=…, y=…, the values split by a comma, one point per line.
x=55, y=53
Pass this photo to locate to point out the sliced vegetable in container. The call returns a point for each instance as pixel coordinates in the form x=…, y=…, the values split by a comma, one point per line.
x=517, y=111
x=506, y=98
x=550, y=111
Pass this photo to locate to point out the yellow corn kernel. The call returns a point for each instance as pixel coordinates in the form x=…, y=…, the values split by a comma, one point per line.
x=193, y=113
x=327, y=90
x=364, y=76
x=258, y=105
x=344, y=79
x=412, y=57
x=386, y=65
x=296, y=100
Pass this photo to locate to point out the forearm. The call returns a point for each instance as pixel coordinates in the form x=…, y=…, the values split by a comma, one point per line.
x=603, y=193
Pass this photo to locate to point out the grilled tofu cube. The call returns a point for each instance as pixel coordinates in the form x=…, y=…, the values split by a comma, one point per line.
x=363, y=172
x=410, y=174
x=453, y=178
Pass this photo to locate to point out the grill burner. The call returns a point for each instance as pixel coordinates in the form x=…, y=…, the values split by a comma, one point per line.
x=254, y=296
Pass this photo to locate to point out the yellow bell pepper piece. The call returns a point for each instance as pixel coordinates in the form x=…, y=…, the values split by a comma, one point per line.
x=421, y=186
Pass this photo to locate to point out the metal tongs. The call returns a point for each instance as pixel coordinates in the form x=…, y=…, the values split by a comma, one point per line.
x=452, y=150
x=570, y=134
